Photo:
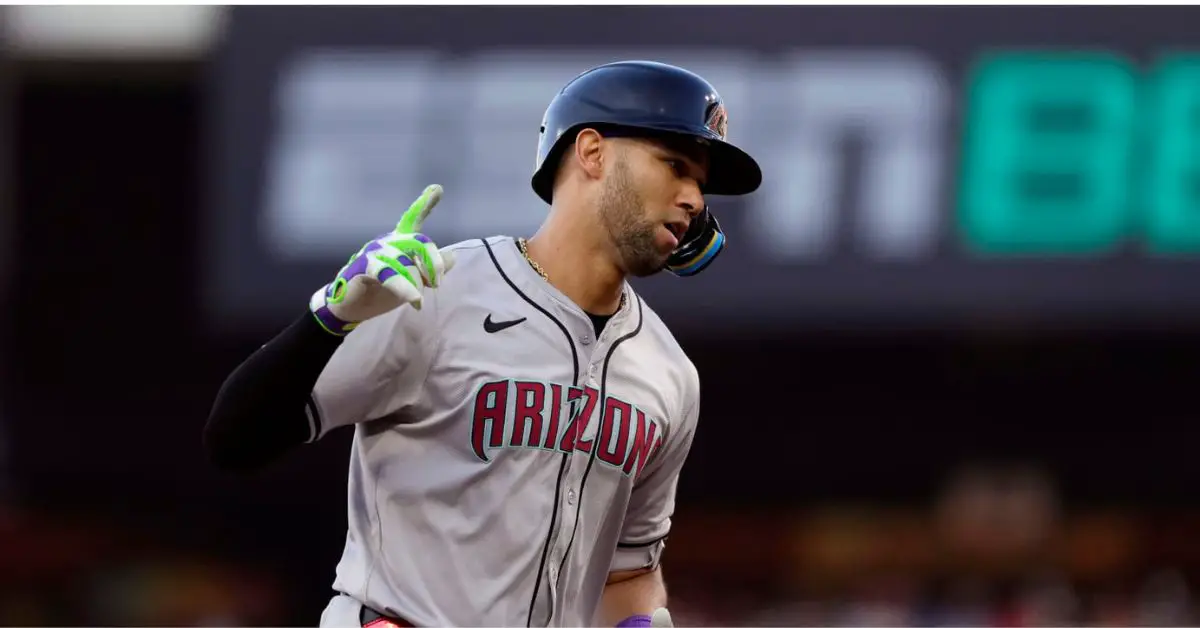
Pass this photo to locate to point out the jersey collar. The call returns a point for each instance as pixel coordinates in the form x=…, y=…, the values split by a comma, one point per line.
x=531, y=280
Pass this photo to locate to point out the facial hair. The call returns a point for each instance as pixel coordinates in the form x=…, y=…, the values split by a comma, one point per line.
x=622, y=212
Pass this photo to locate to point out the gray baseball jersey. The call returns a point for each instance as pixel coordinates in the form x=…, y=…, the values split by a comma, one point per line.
x=505, y=459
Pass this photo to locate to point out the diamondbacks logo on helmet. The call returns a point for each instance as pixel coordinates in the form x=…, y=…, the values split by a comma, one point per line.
x=718, y=120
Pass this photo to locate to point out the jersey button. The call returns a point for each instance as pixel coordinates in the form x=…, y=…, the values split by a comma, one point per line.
x=571, y=496
x=585, y=339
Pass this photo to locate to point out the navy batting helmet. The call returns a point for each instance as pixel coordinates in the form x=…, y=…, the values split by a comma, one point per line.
x=650, y=98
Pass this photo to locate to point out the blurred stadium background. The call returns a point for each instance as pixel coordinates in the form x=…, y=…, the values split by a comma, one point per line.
x=950, y=363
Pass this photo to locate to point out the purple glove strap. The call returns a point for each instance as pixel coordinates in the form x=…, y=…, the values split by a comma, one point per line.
x=331, y=323
x=635, y=621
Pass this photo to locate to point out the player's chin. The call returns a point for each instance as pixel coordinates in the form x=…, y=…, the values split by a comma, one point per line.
x=646, y=255
x=648, y=265
x=647, y=271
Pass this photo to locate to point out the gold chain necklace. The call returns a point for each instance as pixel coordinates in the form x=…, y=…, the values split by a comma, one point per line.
x=521, y=244
x=524, y=247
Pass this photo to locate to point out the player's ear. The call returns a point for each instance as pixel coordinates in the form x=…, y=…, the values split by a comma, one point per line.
x=589, y=152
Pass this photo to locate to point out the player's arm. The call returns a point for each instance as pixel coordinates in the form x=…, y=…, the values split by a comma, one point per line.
x=357, y=353
x=263, y=407
x=631, y=597
x=636, y=591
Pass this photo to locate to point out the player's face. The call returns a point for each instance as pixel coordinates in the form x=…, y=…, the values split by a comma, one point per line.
x=649, y=197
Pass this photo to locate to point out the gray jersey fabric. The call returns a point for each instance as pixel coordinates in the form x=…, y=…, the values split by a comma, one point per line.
x=504, y=460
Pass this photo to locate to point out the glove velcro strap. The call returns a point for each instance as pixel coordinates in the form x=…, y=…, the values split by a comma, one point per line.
x=325, y=318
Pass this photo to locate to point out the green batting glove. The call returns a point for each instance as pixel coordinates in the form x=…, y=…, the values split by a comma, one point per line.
x=385, y=273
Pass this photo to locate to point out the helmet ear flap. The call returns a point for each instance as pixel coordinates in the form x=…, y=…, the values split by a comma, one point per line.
x=702, y=243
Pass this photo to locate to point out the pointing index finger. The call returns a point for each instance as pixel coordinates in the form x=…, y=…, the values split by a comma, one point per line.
x=414, y=217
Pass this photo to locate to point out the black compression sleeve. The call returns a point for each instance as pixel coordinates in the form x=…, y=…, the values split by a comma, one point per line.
x=259, y=413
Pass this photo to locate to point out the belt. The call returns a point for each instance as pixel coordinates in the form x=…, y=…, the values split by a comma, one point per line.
x=371, y=618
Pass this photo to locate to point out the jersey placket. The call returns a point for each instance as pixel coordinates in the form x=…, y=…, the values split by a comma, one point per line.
x=594, y=351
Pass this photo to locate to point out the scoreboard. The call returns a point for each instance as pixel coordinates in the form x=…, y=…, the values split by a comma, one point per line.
x=924, y=166
x=1079, y=152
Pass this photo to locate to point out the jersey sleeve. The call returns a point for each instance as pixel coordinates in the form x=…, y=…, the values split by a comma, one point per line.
x=378, y=370
x=652, y=502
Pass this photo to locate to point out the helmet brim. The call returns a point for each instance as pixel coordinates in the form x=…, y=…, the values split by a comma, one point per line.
x=731, y=170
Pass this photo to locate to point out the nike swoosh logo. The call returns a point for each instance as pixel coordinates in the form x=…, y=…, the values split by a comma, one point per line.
x=492, y=327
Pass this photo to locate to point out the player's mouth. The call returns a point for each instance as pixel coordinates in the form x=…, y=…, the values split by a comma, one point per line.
x=676, y=228
x=665, y=238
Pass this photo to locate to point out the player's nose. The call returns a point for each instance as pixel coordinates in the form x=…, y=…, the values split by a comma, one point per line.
x=690, y=199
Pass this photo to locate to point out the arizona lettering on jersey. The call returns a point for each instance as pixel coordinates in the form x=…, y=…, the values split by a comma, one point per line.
x=505, y=460
x=556, y=418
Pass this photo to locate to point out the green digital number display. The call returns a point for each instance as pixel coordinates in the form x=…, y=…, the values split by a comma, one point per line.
x=1170, y=194
x=1048, y=154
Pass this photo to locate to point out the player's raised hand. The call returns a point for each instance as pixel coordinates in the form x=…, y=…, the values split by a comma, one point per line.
x=385, y=273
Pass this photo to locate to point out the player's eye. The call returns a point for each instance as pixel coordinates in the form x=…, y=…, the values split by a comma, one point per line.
x=683, y=172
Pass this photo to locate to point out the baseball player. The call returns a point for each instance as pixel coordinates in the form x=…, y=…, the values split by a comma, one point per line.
x=520, y=413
